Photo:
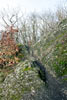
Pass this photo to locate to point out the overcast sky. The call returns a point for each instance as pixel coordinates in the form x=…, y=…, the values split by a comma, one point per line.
x=32, y=5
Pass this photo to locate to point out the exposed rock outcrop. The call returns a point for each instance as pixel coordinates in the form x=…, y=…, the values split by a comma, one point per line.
x=23, y=83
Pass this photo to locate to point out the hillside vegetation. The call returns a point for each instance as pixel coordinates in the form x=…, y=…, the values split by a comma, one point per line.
x=33, y=58
x=52, y=50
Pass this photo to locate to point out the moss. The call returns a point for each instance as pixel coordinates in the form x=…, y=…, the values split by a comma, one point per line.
x=65, y=79
x=60, y=68
x=28, y=68
x=15, y=97
x=20, y=56
x=63, y=22
x=1, y=95
x=0, y=90
x=2, y=77
x=25, y=89
x=60, y=60
x=55, y=50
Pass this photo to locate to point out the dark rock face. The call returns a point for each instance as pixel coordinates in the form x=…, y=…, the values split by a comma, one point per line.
x=55, y=89
x=42, y=70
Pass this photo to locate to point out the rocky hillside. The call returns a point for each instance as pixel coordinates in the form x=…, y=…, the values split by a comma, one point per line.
x=31, y=79
x=52, y=50
x=23, y=80
x=23, y=83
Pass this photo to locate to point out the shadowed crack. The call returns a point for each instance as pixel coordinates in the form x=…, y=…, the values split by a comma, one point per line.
x=54, y=89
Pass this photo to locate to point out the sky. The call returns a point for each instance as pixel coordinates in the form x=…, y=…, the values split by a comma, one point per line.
x=28, y=6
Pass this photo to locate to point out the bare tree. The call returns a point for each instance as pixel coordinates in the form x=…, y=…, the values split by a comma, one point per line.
x=61, y=13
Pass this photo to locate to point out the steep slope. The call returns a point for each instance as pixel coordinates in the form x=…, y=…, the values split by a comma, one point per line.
x=52, y=50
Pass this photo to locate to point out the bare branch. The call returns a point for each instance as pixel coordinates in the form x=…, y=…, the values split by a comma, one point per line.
x=5, y=21
x=11, y=18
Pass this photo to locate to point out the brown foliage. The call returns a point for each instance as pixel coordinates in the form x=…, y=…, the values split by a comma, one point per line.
x=8, y=48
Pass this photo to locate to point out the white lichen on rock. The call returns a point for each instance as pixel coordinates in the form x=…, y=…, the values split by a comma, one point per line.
x=23, y=80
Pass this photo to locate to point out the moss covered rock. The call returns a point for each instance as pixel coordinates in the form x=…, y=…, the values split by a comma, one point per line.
x=22, y=84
